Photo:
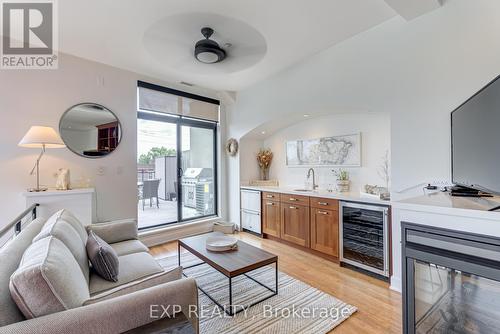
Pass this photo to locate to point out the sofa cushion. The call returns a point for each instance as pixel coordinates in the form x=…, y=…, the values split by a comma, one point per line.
x=140, y=284
x=116, y=231
x=48, y=280
x=103, y=258
x=68, y=229
x=129, y=247
x=72, y=220
x=132, y=267
x=10, y=255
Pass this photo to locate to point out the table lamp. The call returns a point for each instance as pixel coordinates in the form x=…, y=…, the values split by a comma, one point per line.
x=40, y=137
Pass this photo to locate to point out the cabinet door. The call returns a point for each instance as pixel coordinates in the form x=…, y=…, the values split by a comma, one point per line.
x=271, y=218
x=295, y=224
x=325, y=231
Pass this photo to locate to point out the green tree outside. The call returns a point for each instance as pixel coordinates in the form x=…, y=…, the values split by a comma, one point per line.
x=154, y=153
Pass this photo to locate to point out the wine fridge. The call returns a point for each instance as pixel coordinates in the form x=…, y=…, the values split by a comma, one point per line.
x=364, y=241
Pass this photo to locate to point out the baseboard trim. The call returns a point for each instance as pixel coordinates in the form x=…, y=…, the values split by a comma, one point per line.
x=395, y=284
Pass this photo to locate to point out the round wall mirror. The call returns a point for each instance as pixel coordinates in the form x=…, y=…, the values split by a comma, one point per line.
x=90, y=130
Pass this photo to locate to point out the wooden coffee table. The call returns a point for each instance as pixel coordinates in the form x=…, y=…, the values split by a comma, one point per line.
x=231, y=264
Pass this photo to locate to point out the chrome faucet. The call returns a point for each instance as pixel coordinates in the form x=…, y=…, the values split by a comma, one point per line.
x=311, y=170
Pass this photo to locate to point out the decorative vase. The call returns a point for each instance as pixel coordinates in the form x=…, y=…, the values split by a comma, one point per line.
x=343, y=185
x=264, y=174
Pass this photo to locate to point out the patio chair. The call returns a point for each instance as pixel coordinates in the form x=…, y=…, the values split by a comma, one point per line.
x=172, y=195
x=150, y=191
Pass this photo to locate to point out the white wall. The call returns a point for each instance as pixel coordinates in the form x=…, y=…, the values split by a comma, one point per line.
x=375, y=141
x=40, y=97
x=417, y=71
x=249, y=169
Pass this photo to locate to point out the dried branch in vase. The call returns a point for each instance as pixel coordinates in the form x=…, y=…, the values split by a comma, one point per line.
x=264, y=158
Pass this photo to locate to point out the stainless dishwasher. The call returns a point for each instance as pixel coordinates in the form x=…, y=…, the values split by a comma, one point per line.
x=364, y=237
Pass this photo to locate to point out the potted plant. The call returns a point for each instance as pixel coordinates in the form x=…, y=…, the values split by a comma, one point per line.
x=264, y=158
x=342, y=181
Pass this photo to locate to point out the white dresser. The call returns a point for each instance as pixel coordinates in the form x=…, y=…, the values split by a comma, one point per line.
x=81, y=202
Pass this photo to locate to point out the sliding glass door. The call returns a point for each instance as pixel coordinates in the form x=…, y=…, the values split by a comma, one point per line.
x=197, y=170
x=177, y=150
x=177, y=169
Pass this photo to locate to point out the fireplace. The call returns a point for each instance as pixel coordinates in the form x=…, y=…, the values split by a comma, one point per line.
x=451, y=281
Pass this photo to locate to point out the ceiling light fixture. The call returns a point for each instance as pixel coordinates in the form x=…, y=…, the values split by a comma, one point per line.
x=208, y=51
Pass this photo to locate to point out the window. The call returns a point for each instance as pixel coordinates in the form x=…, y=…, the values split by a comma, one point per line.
x=176, y=156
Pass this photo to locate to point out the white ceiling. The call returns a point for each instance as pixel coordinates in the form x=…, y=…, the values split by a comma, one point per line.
x=119, y=33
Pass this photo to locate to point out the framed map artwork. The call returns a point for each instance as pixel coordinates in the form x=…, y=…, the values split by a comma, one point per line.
x=337, y=151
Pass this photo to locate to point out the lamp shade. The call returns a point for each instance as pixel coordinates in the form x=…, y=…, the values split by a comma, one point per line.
x=38, y=136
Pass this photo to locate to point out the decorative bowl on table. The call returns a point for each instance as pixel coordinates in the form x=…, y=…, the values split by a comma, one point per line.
x=221, y=243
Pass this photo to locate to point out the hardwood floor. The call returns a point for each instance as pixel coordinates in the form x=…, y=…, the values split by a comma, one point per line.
x=379, y=308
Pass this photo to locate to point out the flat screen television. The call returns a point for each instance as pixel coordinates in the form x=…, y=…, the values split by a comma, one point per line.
x=475, y=140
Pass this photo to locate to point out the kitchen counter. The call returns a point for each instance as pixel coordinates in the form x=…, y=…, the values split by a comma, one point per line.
x=464, y=214
x=347, y=196
x=443, y=203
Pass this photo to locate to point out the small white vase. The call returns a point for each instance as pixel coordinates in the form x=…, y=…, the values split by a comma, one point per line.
x=343, y=185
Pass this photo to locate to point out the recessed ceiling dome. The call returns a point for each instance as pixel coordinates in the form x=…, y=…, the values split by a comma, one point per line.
x=208, y=51
x=171, y=42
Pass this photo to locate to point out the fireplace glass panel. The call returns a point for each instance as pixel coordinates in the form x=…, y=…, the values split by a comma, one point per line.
x=451, y=301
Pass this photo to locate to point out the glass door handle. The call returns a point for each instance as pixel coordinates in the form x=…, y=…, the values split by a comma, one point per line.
x=179, y=172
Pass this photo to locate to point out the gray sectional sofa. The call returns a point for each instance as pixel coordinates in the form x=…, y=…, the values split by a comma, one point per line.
x=48, y=286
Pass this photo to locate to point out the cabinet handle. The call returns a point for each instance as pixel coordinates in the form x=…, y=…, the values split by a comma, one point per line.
x=293, y=207
x=323, y=203
x=323, y=212
x=293, y=199
x=270, y=203
x=270, y=196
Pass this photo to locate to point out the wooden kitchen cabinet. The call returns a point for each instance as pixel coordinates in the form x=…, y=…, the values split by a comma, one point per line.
x=270, y=196
x=294, y=199
x=324, y=203
x=325, y=231
x=271, y=217
x=311, y=223
x=295, y=223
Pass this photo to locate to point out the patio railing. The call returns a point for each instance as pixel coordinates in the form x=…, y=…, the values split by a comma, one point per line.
x=145, y=174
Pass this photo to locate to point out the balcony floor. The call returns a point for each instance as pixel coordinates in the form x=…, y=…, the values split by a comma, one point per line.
x=166, y=213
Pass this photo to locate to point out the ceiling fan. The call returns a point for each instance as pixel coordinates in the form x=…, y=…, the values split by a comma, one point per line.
x=207, y=50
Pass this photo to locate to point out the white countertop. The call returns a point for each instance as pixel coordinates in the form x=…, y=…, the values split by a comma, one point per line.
x=54, y=192
x=443, y=203
x=347, y=196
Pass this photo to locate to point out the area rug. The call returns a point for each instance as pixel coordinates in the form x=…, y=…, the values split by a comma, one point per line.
x=298, y=307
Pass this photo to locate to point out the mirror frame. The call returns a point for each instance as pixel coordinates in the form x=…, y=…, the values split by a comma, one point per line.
x=105, y=109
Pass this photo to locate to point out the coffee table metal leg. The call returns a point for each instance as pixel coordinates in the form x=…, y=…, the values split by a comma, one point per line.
x=276, y=264
x=230, y=296
x=179, y=253
x=230, y=309
x=275, y=291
